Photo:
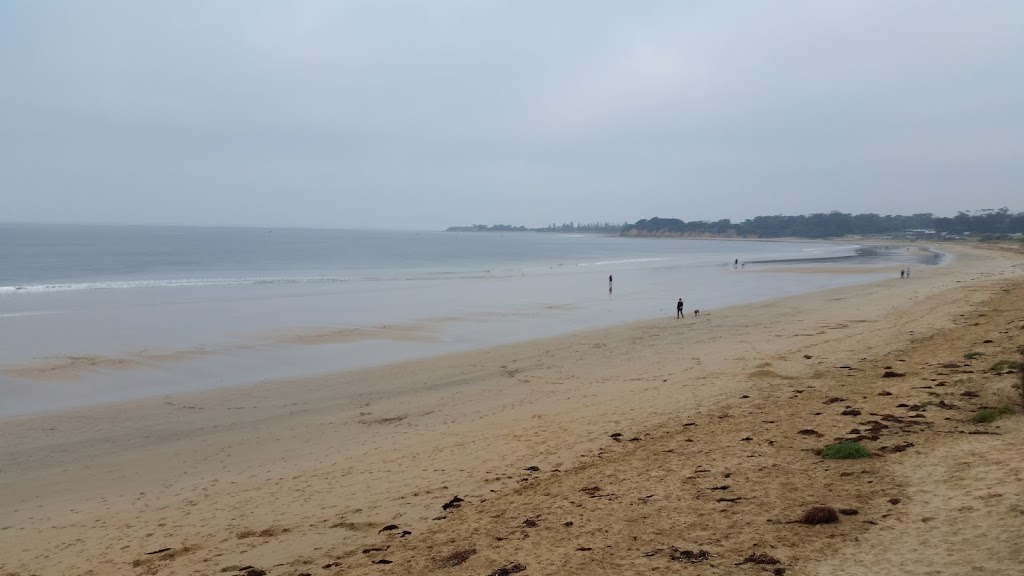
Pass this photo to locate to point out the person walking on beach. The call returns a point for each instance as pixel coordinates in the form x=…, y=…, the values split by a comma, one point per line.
x=902, y=273
x=679, y=308
x=908, y=272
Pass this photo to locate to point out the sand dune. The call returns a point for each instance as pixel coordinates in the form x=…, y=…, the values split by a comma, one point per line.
x=673, y=446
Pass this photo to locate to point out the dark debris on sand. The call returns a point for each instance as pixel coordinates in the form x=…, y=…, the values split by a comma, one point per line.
x=456, y=558
x=762, y=558
x=455, y=502
x=819, y=515
x=896, y=448
x=690, y=556
x=507, y=569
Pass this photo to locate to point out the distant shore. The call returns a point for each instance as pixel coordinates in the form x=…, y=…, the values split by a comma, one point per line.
x=869, y=238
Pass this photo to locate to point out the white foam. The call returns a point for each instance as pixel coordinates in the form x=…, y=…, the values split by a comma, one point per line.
x=172, y=283
x=607, y=262
x=37, y=313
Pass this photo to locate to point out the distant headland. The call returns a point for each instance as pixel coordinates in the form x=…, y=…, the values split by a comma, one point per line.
x=984, y=224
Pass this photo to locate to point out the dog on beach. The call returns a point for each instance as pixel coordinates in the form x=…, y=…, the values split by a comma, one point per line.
x=696, y=312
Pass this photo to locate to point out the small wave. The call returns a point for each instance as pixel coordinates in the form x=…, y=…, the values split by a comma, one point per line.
x=629, y=261
x=173, y=283
x=16, y=314
x=808, y=255
x=285, y=280
x=200, y=282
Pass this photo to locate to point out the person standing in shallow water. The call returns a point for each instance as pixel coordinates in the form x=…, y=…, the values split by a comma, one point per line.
x=679, y=308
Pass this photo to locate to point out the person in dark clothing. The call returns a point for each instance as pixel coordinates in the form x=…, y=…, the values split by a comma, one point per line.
x=679, y=308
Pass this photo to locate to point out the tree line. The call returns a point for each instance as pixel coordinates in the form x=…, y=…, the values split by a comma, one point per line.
x=988, y=222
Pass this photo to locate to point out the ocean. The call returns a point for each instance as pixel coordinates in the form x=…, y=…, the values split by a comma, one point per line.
x=95, y=314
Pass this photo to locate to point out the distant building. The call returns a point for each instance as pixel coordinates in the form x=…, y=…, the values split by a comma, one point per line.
x=921, y=233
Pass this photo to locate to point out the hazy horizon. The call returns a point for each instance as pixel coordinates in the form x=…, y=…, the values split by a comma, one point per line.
x=410, y=116
x=413, y=229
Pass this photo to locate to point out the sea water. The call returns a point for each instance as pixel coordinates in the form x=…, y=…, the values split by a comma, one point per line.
x=93, y=314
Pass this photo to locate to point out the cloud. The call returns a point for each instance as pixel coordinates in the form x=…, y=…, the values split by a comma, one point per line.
x=405, y=114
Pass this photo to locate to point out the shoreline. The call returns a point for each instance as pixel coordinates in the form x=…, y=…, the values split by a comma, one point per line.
x=96, y=375
x=291, y=460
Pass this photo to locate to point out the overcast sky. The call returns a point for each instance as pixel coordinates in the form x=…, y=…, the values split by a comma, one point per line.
x=391, y=114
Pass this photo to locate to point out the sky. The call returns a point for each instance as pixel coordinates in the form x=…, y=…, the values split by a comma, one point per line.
x=423, y=115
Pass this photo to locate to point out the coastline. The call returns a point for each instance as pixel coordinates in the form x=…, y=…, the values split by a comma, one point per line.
x=97, y=488
x=89, y=347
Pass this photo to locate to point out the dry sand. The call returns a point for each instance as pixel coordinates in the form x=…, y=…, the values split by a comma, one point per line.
x=609, y=452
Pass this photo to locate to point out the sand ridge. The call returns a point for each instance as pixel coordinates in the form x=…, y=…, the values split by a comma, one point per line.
x=709, y=457
x=68, y=367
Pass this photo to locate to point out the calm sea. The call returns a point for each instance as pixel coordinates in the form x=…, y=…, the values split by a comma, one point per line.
x=195, y=308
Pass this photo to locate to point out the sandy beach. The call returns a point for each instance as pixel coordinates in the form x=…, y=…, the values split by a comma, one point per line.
x=670, y=446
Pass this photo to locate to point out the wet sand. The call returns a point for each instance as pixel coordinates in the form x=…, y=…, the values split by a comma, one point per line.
x=607, y=452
